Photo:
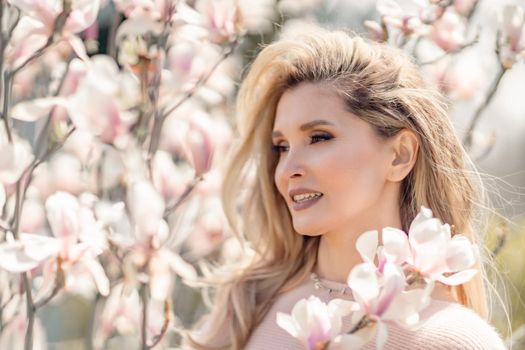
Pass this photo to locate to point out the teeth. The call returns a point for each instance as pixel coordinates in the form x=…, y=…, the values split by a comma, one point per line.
x=306, y=196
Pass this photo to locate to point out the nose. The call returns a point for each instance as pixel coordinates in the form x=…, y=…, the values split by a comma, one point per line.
x=291, y=165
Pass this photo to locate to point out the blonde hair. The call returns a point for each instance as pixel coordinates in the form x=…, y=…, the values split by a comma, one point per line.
x=379, y=84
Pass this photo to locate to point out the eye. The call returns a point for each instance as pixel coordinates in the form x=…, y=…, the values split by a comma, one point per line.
x=279, y=148
x=320, y=137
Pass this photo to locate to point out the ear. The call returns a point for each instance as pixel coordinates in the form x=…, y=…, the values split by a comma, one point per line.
x=405, y=146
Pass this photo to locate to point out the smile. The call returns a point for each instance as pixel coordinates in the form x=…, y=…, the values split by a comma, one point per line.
x=306, y=200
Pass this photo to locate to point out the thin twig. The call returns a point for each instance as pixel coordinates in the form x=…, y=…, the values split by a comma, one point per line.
x=28, y=340
x=182, y=197
x=201, y=80
x=59, y=284
x=467, y=140
x=452, y=52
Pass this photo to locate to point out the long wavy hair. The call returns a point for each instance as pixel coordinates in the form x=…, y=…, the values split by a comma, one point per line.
x=379, y=84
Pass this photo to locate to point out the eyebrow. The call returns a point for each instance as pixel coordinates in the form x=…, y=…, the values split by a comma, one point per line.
x=306, y=126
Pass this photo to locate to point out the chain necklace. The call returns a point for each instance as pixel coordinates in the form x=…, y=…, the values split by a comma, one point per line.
x=318, y=284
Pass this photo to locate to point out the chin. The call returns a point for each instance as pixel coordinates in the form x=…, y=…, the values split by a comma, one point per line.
x=308, y=231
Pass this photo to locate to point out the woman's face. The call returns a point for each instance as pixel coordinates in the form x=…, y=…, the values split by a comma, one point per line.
x=332, y=166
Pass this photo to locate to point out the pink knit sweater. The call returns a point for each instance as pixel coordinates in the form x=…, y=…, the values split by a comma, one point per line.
x=448, y=326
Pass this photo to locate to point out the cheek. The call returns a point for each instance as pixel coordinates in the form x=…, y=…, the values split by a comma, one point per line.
x=361, y=175
x=279, y=180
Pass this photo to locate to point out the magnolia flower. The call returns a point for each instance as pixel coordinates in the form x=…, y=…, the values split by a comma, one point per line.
x=512, y=35
x=210, y=230
x=96, y=96
x=199, y=145
x=393, y=15
x=314, y=323
x=168, y=179
x=122, y=313
x=80, y=238
x=464, y=7
x=14, y=333
x=15, y=157
x=82, y=14
x=33, y=218
x=26, y=253
x=449, y=31
x=222, y=18
x=39, y=23
x=431, y=251
x=381, y=299
x=146, y=207
x=376, y=31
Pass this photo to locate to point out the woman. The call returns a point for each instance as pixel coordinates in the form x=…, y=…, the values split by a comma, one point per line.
x=338, y=136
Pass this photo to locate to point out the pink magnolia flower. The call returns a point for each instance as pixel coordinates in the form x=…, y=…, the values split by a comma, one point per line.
x=314, y=323
x=431, y=251
x=464, y=7
x=33, y=218
x=96, y=96
x=80, y=238
x=15, y=157
x=222, y=18
x=210, y=230
x=449, y=31
x=97, y=105
x=27, y=252
x=38, y=24
x=122, y=314
x=381, y=298
x=147, y=207
x=512, y=35
x=408, y=22
x=168, y=179
x=13, y=335
x=198, y=144
x=376, y=31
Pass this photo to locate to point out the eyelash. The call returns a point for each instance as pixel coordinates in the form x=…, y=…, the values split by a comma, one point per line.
x=318, y=137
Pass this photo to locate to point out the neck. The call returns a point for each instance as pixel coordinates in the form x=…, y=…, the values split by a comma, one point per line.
x=337, y=254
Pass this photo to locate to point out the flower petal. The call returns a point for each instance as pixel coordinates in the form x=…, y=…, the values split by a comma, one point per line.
x=366, y=245
x=98, y=274
x=179, y=265
x=27, y=252
x=458, y=278
x=395, y=245
x=363, y=282
x=461, y=254
x=33, y=110
x=287, y=323
x=353, y=341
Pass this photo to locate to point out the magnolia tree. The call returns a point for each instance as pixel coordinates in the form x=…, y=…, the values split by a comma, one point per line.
x=109, y=163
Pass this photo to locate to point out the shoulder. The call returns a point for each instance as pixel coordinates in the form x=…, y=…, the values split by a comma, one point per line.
x=452, y=326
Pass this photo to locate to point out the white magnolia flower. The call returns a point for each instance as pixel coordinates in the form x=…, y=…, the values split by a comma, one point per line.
x=313, y=322
x=431, y=250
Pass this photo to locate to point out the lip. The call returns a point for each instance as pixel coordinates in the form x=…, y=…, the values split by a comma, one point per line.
x=305, y=204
